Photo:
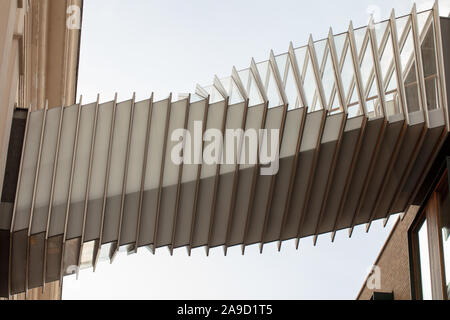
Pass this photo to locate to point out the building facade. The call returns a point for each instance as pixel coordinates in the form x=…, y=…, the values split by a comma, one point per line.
x=414, y=262
x=38, y=63
x=340, y=132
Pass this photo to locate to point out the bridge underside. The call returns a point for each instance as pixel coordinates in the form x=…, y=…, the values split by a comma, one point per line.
x=360, y=116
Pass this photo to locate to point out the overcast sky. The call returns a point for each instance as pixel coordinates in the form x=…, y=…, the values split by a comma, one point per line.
x=169, y=46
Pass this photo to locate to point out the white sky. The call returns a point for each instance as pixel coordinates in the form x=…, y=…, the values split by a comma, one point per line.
x=154, y=46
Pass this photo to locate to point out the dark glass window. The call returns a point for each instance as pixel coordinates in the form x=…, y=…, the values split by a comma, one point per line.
x=424, y=261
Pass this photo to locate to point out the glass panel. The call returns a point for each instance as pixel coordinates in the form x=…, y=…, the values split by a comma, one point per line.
x=195, y=98
x=387, y=58
x=309, y=86
x=380, y=30
x=401, y=24
x=214, y=94
x=232, y=90
x=335, y=106
x=263, y=70
x=328, y=80
x=359, y=37
x=250, y=85
x=347, y=73
x=281, y=62
x=429, y=69
x=421, y=20
x=300, y=55
x=425, y=271
x=367, y=68
x=244, y=75
x=408, y=63
x=339, y=42
x=272, y=90
x=320, y=47
x=389, y=79
x=392, y=84
x=373, y=92
x=407, y=51
x=290, y=88
x=412, y=94
x=354, y=108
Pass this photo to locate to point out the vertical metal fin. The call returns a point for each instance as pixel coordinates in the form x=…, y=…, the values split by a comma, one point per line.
x=88, y=183
x=180, y=176
x=197, y=182
x=108, y=169
x=161, y=177
x=125, y=172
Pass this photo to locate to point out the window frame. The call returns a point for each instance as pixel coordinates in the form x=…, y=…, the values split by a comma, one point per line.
x=429, y=213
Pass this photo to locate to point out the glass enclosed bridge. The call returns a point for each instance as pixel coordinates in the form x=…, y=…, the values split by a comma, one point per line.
x=359, y=118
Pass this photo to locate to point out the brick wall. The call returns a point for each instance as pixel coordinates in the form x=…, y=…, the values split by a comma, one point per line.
x=393, y=262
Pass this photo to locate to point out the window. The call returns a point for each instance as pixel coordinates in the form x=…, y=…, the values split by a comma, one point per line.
x=424, y=262
x=444, y=220
x=431, y=245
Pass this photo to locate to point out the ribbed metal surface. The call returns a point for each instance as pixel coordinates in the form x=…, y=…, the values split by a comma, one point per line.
x=360, y=116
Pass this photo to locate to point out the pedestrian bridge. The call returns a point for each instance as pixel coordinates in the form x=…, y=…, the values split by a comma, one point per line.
x=360, y=117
